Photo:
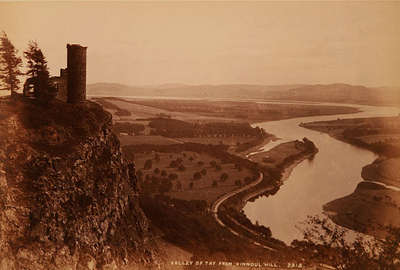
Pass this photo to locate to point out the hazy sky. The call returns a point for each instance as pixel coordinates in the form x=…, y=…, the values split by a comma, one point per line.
x=226, y=42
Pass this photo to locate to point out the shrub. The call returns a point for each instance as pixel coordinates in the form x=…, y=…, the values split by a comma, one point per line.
x=173, y=164
x=224, y=177
x=196, y=176
x=178, y=185
x=247, y=180
x=173, y=176
x=238, y=183
x=148, y=164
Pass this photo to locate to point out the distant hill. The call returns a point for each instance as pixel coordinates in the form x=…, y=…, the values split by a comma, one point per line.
x=339, y=93
x=187, y=91
x=343, y=93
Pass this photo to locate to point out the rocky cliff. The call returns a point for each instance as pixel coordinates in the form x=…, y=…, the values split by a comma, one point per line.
x=68, y=199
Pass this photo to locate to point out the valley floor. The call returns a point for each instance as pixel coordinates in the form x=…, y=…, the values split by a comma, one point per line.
x=188, y=162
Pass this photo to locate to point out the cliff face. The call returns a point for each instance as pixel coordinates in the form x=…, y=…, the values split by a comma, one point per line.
x=68, y=199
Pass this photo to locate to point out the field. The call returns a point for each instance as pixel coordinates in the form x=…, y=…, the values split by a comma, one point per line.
x=203, y=177
x=192, y=175
x=178, y=187
x=278, y=154
x=162, y=129
x=231, y=141
x=206, y=110
x=381, y=135
x=141, y=139
x=143, y=111
x=197, y=112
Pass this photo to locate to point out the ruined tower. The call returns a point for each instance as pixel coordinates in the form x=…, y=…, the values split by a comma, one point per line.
x=76, y=66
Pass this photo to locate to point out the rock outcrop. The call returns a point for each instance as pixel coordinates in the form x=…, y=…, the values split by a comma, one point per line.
x=68, y=198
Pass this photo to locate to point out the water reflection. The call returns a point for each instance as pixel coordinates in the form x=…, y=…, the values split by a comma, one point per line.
x=334, y=172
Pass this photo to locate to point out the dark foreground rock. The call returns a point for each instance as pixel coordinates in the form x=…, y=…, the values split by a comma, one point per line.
x=68, y=199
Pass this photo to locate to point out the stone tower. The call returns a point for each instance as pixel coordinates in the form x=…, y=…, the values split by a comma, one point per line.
x=76, y=66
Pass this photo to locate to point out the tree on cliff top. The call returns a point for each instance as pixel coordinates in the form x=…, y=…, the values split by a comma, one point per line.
x=10, y=65
x=37, y=69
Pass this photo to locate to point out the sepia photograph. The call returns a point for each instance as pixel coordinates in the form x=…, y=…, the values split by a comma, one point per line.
x=190, y=135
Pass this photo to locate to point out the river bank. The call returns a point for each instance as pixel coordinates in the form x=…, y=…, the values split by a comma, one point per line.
x=285, y=173
x=276, y=165
x=281, y=160
x=373, y=205
x=384, y=170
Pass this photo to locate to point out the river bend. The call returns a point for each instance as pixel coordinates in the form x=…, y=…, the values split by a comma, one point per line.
x=334, y=172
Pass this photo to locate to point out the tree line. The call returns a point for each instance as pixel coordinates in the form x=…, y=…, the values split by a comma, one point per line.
x=36, y=69
x=177, y=129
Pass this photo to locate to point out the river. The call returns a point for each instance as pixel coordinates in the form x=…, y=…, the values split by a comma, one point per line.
x=334, y=172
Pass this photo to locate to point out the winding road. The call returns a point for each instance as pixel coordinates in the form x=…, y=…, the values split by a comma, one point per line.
x=220, y=200
x=223, y=198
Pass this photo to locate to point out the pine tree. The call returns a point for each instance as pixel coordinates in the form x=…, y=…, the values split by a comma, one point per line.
x=37, y=69
x=10, y=65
